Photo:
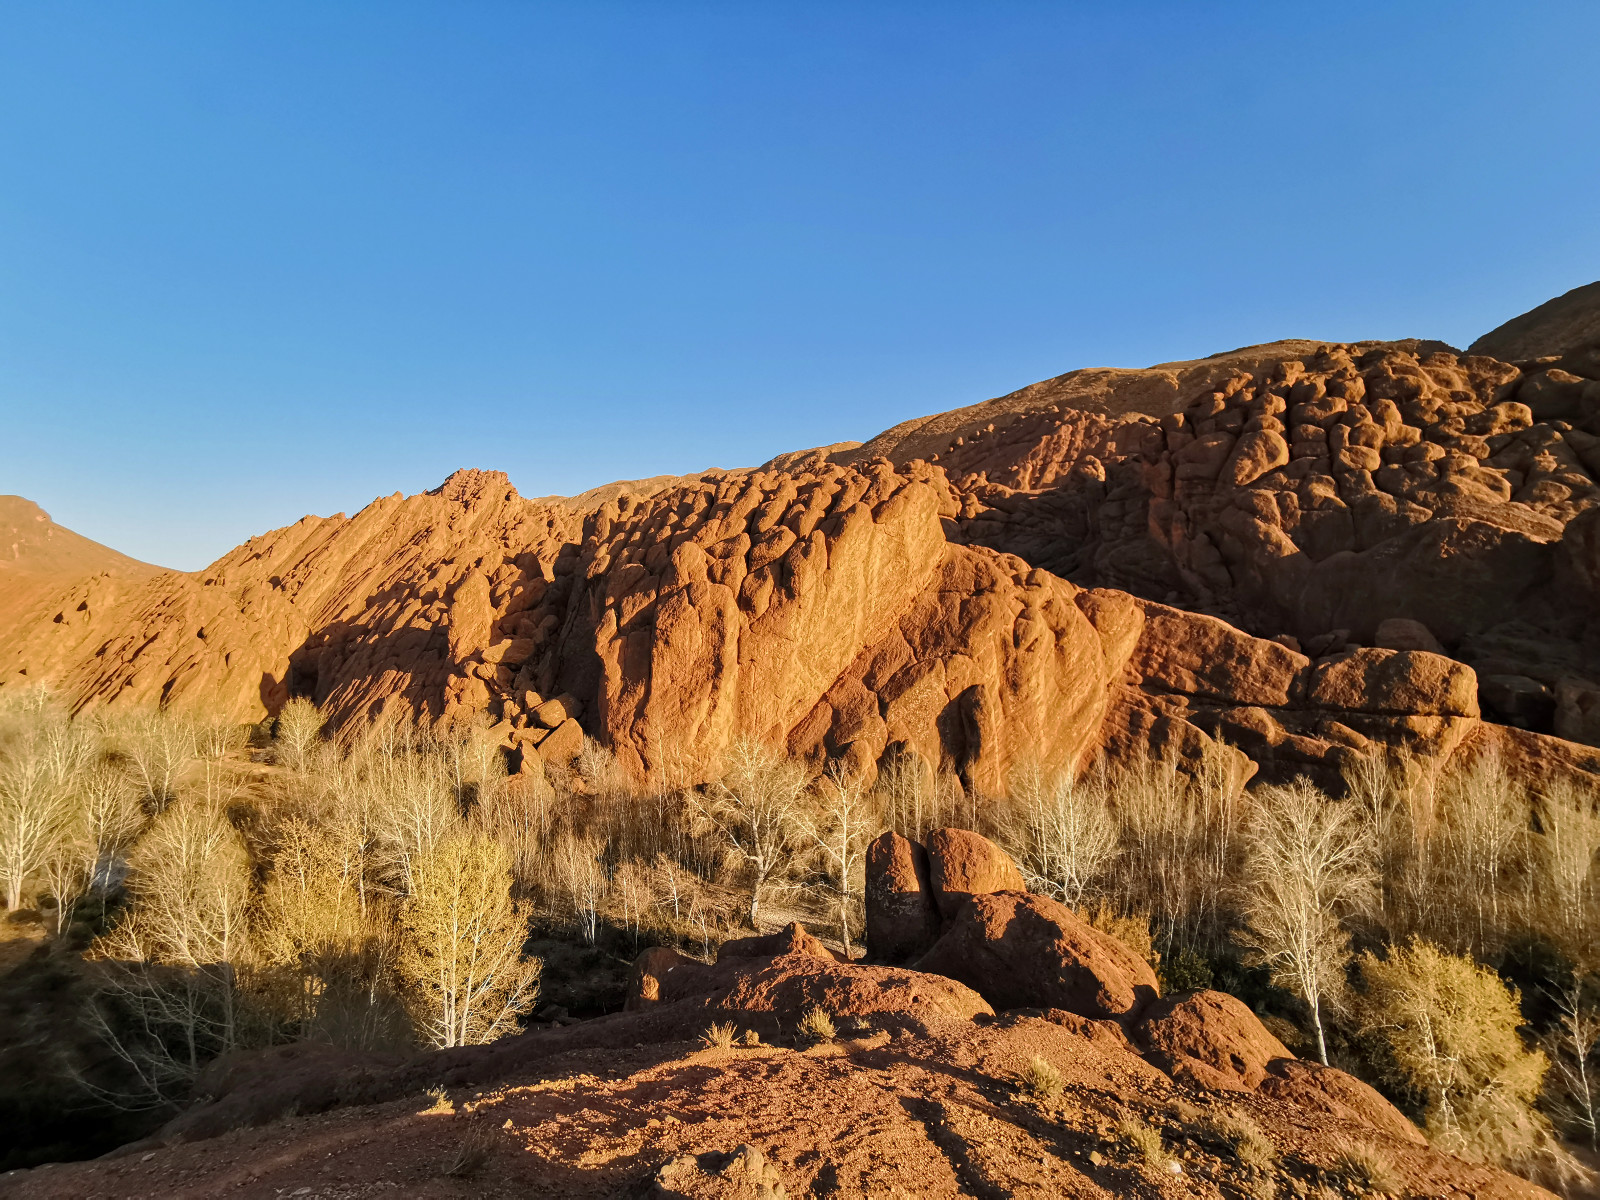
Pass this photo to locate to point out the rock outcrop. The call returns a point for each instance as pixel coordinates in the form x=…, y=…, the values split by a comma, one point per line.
x=1022, y=951
x=902, y=918
x=1307, y=550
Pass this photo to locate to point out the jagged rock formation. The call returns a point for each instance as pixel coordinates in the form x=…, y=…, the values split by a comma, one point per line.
x=1306, y=549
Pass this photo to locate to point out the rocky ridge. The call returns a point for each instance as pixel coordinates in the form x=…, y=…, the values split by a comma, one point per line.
x=1305, y=549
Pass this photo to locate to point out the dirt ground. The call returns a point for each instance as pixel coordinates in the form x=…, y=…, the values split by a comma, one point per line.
x=938, y=1111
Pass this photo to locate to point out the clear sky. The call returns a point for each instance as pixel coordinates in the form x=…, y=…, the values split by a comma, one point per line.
x=263, y=259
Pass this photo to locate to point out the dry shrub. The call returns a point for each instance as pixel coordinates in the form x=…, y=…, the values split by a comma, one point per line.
x=442, y=1103
x=1041, y=1079
x=719, y=1036
x=471, y=1152
x=1363, y=1168
x=815, y=1023
x=1446, y=1031
x=1131, y=929
x=1144, y=1141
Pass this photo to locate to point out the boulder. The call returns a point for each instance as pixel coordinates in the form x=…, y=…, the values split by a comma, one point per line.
x=1321, y=1089
x=1399, y=682
x=1205, y=657
x=902, y=919
x=1023, y=951
x=553, y=713
x=962, y=864
x=1209, y=1039
x=564, y=744
x=662, y=975
x=1517, y=698
x=788, y=986
x=1577, y=711
x=778, y=976
x=1257, y=453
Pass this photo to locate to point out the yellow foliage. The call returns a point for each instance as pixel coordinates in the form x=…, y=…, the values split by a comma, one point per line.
x=461, y=938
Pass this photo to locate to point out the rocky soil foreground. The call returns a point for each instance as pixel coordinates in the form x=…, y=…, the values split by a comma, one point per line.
x=1021, y=1053
x=1305, y=548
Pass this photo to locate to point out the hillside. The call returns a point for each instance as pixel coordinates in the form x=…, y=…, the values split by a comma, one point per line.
x=39, y=559
x=1357, y=564
x=1303, y=548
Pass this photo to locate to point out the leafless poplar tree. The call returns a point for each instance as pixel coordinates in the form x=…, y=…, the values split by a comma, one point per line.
x=755, y=811
x=1309, y=863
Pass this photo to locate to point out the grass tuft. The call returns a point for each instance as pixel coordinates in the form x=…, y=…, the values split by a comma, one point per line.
x=817, y=1024
x=441, y=1101
x=1145, y=1142
x=1041, y=1080
x=718, y=1037
x=1243, y=1138
x=1362, y=1168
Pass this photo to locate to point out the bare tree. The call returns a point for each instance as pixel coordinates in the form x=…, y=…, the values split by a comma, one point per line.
x=298, y=732
x=840, y=827
x=1309, y=864
x=906, y=786
x=415, y=807
x=579, y=879
x=1483, y=825
x=172, y=961
x=1565, y=862
x=461, y=944
x=1573, y=1048
x=1062, y=829
x=755, y=811
x=112, y=818
x=34, y=814
x=159, y=746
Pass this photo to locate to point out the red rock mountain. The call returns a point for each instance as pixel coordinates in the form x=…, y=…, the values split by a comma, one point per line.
x=1306, y=549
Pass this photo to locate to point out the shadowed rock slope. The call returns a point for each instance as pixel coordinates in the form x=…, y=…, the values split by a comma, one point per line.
x=1306, y=548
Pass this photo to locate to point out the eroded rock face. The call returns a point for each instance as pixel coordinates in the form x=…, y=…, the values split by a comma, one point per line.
x=1016, y=579
x=1022, y=951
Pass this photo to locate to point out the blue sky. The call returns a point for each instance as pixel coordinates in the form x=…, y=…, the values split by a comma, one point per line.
x=258, y=260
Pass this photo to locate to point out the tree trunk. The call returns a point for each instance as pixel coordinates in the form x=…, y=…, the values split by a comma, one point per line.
x=1316, y=1018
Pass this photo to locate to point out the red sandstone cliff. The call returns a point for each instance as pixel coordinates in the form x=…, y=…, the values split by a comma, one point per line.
x=1306, y=549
